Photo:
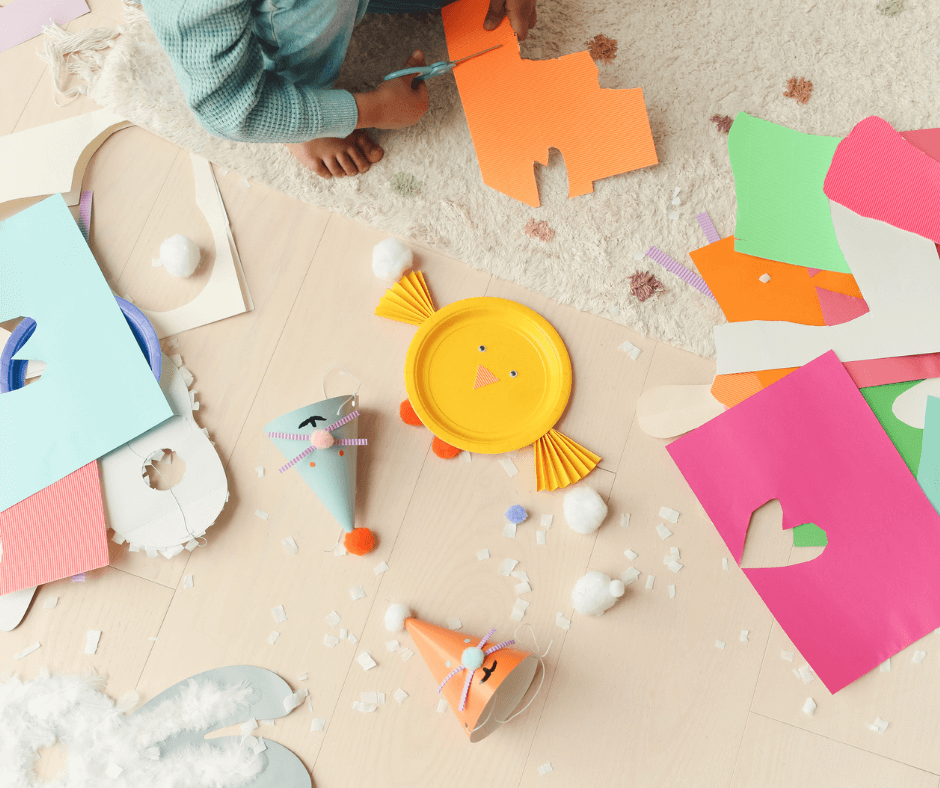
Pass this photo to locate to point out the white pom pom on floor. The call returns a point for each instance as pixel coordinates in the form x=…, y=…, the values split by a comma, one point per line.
x=391, y=258
x=179, y=255
x=595, y=593
x=584, y=509
x=395, y=617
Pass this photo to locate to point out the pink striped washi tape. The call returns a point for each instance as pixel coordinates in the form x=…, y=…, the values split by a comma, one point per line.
x=679, y=270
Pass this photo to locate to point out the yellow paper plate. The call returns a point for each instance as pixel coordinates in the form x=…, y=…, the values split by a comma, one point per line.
x=488, y=375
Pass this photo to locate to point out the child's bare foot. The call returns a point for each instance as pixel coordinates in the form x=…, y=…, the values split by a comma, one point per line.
x=332, y=156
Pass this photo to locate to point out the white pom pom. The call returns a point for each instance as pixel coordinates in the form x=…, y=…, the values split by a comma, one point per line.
x=179, y=255
x=395, y=617
x=594, y=593
x=585, y=510
x=391, y=259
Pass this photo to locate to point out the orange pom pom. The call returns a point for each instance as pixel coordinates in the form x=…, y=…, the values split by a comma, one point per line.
x=408, y=415
x=444, y=450
x=359, y=541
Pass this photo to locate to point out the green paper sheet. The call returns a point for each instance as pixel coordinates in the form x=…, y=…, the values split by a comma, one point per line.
x=907, y=439
x=97, y=391
x=809, y=535
x=783, y=213
x=928, y=474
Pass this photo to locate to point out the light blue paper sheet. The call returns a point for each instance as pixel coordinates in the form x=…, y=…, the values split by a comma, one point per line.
x=97, y=391
x=928, y=474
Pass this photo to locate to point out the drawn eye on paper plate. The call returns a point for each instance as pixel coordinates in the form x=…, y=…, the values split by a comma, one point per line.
x=487, y=375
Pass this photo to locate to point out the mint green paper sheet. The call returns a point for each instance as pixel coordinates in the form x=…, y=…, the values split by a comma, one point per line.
x=783, y=213
x=97, y=391
x=928, y=474
x=906, y=439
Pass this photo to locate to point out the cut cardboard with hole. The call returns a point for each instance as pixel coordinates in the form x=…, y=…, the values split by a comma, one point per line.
x=811, y=441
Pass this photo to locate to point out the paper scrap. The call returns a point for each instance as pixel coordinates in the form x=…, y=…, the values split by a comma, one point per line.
x=928, y=472
x=509, y=530
x=370, y=697
x=624, y=520
x=630, y=554
x=366, y=661
x=670, y=411
x=806, y=673
x=672, y=591
x=317, y=724
x=509, y=466
x=600, y=132
x=720, y=644
x=79, y=578
x=787, y=655
x=113, y=770
x=261, y=513
x=669, y=514
x=365, y=708
x=91, y=642
x=340, y=549
x=705, y=222
x=521, y=604
x=809, y=707
x=483, y=554
x=675, y=267
x=630, y=349
x=26, y=651
x=724, y=564
x=188, y=581
x=517, y=615
x=400, y=695
x=302, y=677
x=561, y=622
x=50, y=603
x=523, y=588
x=879, y=726
x=545, y=768
x=392, y=645
x=663, y=531
x=506, y=567
x=330, y=641
x=918, y=657
x=442, y=706
x=540, y=537
x=465, y=456
x=21, y=21
x=546, y=521
x=765, y=278
x=279, y=614
x=406, y=654
x=260, y=471
x=352, y=638
x=356, y=592
x=290, y=545
x=272, y=638
x=885, y=667
x=744, y=634
x=333, y=618
x=380, y=568
x=630, y=575
x=675, y=566
x=454, y=623
x=650, y=579
x=248, y=726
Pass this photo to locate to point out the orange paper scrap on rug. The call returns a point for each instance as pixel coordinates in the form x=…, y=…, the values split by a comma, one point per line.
x=516, y=109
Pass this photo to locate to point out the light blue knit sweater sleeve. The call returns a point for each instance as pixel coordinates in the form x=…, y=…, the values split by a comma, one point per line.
x=218, y=61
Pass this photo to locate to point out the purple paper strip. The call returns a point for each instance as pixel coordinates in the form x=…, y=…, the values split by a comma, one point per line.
x=345, y=420
x=705, y=222
x=84, y=214
x=78, y=578
x=353, y=442
x=309, y=450
x=659, y=256
x=22, y=20
x=288, y=436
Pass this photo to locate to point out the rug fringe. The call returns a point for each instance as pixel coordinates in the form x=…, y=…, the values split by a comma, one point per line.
x=75, y=54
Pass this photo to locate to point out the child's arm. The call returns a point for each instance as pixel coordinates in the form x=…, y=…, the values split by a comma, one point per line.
x=218, y=62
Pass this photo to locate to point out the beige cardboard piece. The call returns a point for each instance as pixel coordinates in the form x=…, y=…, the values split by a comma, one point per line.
x=670, y=411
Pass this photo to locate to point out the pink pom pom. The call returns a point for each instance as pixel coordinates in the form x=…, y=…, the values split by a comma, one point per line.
x=321, y=439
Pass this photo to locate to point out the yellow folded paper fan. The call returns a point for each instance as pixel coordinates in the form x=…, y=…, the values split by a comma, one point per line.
x=487, y=375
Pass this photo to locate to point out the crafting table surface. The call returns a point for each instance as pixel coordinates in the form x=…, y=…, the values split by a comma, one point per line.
x=638, y=697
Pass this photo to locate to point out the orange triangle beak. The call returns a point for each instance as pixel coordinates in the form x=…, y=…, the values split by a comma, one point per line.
x=484, y=378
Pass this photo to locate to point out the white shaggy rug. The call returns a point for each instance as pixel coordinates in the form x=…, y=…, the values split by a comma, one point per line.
x=693, y=58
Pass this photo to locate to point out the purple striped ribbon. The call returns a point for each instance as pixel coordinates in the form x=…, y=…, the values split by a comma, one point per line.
x=288, y=436
x=342, y=421
x=705, y=222
x=84, y=214
x=659, y=256
x=298, y=458
x=353, y=442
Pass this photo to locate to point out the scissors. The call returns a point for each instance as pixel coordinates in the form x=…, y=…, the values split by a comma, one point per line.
x=435, y=69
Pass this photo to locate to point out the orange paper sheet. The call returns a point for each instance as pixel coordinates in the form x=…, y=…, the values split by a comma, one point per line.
x=516, y=109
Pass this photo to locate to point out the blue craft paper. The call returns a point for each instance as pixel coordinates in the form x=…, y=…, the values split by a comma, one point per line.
x=928, y=474
x=97, y=391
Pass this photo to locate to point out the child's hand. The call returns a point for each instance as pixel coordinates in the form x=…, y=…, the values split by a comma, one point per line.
x=521, y=16
x=394, y=104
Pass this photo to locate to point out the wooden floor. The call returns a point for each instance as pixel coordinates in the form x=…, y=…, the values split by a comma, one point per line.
x=639, y=697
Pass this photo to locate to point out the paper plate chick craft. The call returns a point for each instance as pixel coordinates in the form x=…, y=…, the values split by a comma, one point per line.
x=487, y=375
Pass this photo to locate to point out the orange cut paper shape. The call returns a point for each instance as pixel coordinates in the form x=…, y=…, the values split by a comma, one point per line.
x=517, y=109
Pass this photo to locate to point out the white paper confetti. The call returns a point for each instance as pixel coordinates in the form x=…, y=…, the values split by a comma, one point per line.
x=302, y=677
x=809, y=707
x=279, y=614
x=540, y=537
x=650, y=579
x=454, y=624
x=719, y=644
x=561, y=622
x=724, y=564
x=177, y=359
x=352, y=638
x=400, y=695
x=465, y=456
x=91, y=642
x=509, y=466
x=331, y=641
x=392, y=645
x=26, y=651
x=918, y=657
x=545, y=768
x=765, y=278
x=188, y=581
x=365, y=708
x=272, y=638
x=333, y=619
x=663, y=531
x=521, y=604
x=630, y=575
x=506, y=567
x=509, y=530
x=50, y=603
x=317, y=724
x=340, y=549
x=290, y=545
x=370, y=697
x=744, y=634
x=625, y=520
x=343, y=632
x=294, y=700
x=483, y=554
x=260, y=471
x=806, y=673
x=517, y=615
x=113, y=771
x=366, y=661
x=356, y=592
x=672, y=592
x=380, y=567
x=669, y=514
x=523, y=588
x=630, y=349
x=269, y=723
x=521, y=574
x=787, y=655
x=879, y=726
x=442, y=706
x=630, y=554
x=675, y=566
x=885, y=667
x=406, y=654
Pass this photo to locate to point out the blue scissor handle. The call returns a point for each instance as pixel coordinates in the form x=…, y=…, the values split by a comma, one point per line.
x=423, y=72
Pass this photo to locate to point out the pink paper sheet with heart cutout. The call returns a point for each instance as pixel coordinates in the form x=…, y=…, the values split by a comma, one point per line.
x=877, y=173
x=812, y=442
x=58, y=532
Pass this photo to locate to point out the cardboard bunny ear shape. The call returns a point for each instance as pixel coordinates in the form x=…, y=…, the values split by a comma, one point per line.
x=496, y=686
x=320, y=442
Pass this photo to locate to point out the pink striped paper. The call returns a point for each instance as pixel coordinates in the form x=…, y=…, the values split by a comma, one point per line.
x=705, y=222
x=659, y=256
x=58, y=532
